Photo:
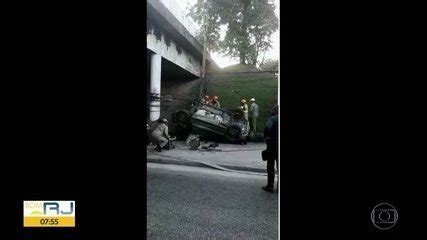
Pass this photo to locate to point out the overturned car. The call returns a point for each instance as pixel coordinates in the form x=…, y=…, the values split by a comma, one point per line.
x=212, y=123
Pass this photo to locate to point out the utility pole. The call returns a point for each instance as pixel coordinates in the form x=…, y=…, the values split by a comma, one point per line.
x=203, y=73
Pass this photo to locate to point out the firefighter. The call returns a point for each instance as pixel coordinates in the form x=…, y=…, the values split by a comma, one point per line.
x=245, y=111
x=206, y=100
x=215, y=102
x=254, y=109
x=161, y=134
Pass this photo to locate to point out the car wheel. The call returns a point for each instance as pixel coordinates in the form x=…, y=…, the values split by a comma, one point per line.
x=233, y=132
x=182, y=118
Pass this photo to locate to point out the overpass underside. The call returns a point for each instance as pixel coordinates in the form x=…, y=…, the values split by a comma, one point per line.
x=173, y=54
x=169, y=70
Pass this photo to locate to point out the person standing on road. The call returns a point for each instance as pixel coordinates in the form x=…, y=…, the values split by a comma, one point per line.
x=254, y=110
x=245, y=112
x=161, y=134
x=271, y=135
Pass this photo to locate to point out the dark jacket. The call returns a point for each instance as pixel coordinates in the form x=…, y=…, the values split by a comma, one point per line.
x=271, y=135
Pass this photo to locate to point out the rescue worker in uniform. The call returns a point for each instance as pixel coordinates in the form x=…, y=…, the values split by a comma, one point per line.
x=254, y=110
x=161, y=134
x=245, y=111
x=271, y=135
x=215, y=102
x=206, y=100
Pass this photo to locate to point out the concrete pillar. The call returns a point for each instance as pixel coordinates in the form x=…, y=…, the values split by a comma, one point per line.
x=155, y=80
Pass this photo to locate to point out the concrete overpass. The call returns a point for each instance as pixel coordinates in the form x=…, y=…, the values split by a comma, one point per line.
x=173, y=52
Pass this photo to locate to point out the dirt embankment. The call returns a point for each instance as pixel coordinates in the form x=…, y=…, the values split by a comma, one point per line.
x=230, y=87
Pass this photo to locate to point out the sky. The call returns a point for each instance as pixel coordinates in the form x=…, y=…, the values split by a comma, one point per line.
x=224, y=61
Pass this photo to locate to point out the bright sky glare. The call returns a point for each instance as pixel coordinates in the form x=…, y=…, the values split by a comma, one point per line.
x=223, y=60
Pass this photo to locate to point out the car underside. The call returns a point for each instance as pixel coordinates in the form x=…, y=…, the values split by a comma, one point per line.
x=212, y=123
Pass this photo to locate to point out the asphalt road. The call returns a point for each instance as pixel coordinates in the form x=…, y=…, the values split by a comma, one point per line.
x=186, y=202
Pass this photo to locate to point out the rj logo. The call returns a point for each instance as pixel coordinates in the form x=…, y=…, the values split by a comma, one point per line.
x=55, y=206
x=49, y=213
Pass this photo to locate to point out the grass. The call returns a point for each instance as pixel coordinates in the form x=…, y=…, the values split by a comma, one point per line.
x=239, y=68
x=231, y=89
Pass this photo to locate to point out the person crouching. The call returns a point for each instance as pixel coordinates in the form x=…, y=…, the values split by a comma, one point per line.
x=160, y=134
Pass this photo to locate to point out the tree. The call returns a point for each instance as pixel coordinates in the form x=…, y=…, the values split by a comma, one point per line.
x=264, y=24
x=206, y=14
x=249, y=25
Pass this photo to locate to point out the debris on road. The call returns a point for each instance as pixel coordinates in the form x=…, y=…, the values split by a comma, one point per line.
x=193, y=141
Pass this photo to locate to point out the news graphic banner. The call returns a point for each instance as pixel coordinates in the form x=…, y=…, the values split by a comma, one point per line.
x=49, y=213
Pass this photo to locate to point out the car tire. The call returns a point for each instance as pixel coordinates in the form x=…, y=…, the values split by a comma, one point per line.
x=233, y=132
x=182, y=118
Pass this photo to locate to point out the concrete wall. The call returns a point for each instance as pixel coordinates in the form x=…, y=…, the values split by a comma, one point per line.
x=186, y=21
x=163, y=17
x=169, y=50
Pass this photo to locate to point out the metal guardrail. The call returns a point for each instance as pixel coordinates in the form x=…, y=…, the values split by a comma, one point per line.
x=174, y=8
